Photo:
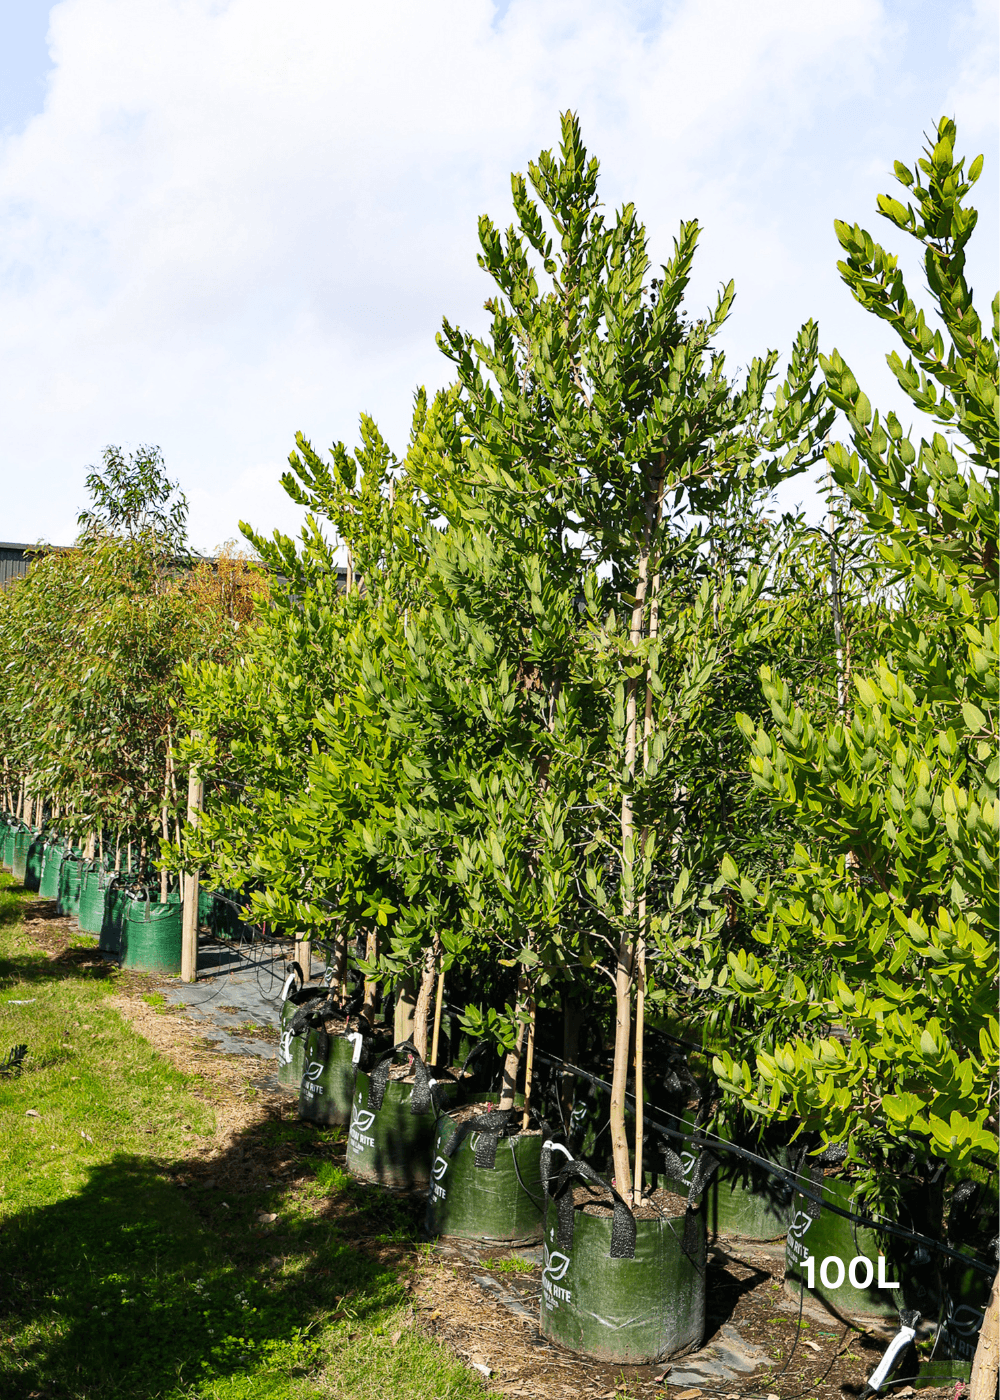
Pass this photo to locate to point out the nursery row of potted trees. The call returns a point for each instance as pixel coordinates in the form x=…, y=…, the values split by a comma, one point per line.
x=594, y=749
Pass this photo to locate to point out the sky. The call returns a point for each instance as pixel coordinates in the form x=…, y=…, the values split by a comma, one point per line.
x=226, y=221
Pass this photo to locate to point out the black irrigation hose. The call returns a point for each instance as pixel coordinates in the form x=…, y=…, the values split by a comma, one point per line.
x=790, y=1179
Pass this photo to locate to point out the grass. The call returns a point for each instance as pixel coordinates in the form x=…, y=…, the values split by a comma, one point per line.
x=116, y=1283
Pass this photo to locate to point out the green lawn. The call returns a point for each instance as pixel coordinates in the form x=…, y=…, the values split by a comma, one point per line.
x=117, y=1282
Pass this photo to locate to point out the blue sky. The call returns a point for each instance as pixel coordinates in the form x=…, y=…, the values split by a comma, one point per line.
x=224, y=220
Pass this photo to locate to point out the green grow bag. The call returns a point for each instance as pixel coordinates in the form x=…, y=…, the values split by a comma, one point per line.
x=93, y=895
x=852, y=1267
x=151, y=936
x=292, y=1038
x=116, y=900
x=33, y=864
x=741, y=1199
x=19, y=863
x=393, y=1124
x=326, y=1088
x=626, y=1291
x=70, y=876
x=8, y=846
x=485, y=1185
x=48, y=885
x=972, y=1227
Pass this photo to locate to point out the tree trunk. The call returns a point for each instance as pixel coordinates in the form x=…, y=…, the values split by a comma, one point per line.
x=511, y=1064
x=406, y=1001
x=421, y=1013
x=371, y=986
x=572, y=1017
x=986, y=1364
x=624, y=969
x=643, y=935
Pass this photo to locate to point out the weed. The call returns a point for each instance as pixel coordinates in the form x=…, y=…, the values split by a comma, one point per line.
x=513, y=1265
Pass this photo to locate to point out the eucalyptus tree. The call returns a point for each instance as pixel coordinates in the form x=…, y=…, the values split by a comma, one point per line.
x=95, y=635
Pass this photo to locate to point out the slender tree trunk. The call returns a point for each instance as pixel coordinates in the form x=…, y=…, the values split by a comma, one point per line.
x=406, y=1000
x=643, y=936
x=986, y=1363
x=625, y=963
x=371, y=986
x=421, y=1014
x=508, y=1086
x=572, y=1017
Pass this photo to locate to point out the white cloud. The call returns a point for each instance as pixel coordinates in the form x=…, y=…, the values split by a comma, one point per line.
x=234, y=220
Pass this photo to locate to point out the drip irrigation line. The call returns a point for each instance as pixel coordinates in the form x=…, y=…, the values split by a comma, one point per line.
x=702, y=1138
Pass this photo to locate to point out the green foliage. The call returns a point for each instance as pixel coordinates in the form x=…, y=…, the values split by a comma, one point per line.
x=131, y=499
x=889, y=1035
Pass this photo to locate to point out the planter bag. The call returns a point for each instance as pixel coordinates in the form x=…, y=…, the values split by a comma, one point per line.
x=22, y=841
x=740, y=1200
x=329, y=1066
x=293, y=1027
x=48, y=885
x=486, y=1180
x=116, y=900
x=93, y=894
x=852, y=1266
x=972, y=1227
x=621, y=1290
x=33, y=864
x=393, y=1125
x=151, y=936
x=8, y=845
x=70, y=876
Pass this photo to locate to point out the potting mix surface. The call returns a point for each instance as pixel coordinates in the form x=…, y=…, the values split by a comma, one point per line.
x=481, y=1303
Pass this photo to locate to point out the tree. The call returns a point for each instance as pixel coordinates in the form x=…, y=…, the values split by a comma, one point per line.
x=892, y=1046
x=131, y=500
x=597, y=424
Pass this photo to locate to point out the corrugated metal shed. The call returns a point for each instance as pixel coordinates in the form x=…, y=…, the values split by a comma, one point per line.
x=15, y=560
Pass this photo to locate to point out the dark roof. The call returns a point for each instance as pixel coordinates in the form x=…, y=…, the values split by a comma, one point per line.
x=15, y=560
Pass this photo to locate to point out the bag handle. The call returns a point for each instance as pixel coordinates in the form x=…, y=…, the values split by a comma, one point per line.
x=420, y=1099
x=491, y=1126
x=622, y=1222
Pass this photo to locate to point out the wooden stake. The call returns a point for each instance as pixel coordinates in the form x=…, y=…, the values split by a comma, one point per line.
x=303, y=956
x=529, y=1065
x=192, y=883
x=438, y=1004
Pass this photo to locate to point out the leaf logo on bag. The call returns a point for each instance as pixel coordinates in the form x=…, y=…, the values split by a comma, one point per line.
x=362, y=1119
x=965, y=1320
x=439, y=1168
x=556, y=1265
x=799, y=1225
x=314, y=1069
